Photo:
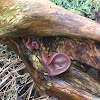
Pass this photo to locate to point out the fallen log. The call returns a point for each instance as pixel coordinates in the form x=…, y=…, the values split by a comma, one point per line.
x=80, y=82
x=42, y=18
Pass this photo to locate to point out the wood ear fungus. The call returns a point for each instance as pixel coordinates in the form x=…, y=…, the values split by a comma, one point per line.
x=56, y=63
x=30, y=43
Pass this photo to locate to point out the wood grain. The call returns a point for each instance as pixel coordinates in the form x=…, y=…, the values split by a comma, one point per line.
x=43, y=18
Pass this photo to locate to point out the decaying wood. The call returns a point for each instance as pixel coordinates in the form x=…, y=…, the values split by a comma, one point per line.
x=78, y=49
x=43, y=18
x=85, y=51
x=97, y=17
x=78, y=83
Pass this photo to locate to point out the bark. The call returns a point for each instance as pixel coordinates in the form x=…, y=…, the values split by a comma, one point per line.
x=79, y=82
x=83, y=50
x=43, y=18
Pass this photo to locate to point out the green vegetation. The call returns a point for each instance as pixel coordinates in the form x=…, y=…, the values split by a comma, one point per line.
x=82, y=7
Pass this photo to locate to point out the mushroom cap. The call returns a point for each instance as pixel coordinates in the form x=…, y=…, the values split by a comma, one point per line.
x=30, y=43
x=56, y=64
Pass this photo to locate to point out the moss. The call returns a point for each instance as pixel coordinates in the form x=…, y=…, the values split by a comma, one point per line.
x=81, y=7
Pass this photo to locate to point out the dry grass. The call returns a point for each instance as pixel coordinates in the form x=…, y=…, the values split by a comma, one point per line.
x=15, y=83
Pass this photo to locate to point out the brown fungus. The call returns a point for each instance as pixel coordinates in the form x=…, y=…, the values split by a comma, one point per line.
x=30, y=43
x=56, y=63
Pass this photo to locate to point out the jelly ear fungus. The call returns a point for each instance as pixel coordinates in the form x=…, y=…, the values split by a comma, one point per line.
x=30, y=43
x=56, y=63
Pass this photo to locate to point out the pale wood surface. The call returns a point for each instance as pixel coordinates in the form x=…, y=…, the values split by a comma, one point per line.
x=43, y=18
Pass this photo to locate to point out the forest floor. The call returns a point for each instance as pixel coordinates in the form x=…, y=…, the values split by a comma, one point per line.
x=15, y=83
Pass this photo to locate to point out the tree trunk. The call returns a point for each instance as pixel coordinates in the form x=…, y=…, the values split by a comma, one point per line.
x=43, y=18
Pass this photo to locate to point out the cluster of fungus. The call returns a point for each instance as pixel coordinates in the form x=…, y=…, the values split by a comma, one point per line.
x=30, y=43
x=54, y=64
